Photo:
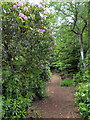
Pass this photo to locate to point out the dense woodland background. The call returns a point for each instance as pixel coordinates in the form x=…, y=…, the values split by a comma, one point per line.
x=37, y=39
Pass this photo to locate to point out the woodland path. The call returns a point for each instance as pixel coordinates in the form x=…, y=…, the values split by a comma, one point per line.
x=60, y=102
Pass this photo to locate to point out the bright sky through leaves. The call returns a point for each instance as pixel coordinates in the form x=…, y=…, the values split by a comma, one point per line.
x=35, y=1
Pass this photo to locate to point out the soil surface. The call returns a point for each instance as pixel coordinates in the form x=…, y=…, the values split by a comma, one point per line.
x=60, y=101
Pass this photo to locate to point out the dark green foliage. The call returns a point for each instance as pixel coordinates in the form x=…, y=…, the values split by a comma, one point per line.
x=67, y=52
x=82, y=94
x=15, y=108
x=77, y=78
x=25, y=49
x=67, y=82
x=46, y=74
x=83, y=99
x=84, y=73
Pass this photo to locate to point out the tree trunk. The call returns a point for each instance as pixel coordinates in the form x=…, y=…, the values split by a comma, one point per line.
x=88, y=24
x=82, y=49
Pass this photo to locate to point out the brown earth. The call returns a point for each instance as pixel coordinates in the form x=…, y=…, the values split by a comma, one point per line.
x=60, y=102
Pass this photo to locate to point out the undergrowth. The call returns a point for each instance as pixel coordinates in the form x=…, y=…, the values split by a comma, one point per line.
x=67, y=82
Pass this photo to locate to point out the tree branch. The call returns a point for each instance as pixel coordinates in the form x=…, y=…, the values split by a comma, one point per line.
x=75, y=22
x=85, y=21
x=75, y=32
x=76, y=14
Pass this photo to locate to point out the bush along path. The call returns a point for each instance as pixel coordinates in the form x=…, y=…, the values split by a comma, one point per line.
x=59, y=103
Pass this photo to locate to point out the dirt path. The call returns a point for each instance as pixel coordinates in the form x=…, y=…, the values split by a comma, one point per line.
x=60, y=103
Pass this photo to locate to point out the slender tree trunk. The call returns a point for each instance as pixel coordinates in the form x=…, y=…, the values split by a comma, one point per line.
x=88, y=24
x=82, y=49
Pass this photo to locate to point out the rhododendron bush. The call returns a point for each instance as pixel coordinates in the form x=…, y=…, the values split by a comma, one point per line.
x=26, y=42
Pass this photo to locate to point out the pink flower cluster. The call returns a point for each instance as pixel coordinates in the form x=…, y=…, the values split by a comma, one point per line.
x=53, y=36
x=14, y=24
x=26, y=8
x=41, y=30
x=41, y=6
x=46, y=2
x=42, y=65
x=55, y=44
x=23, y=16
x=46, y=13
x=14, y=6
x=20, y=3
x=51, y=48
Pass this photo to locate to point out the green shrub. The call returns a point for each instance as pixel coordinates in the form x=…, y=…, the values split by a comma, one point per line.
x=67, y=57
x=39, y=89
x=77, y=78
x=82, y=97
x=67, y=82
x=46, y=74
x=15, y=108
x=26, y=42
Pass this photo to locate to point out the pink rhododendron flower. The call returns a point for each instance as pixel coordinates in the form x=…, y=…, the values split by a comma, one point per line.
x=51, y=48
x=42, y=65
x=41, y=30
x=25, y=17
x=53, y=36
x=41, y=6
x=55, y=44
x=84, y=64
x=14, y=6
x=14, y=24
x=21, y=14
x=26, y=8
x=20, y=3
x=46, y=13
x=42, y=24
x=46, y=2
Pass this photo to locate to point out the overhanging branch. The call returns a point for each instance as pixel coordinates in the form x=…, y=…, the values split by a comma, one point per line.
x=75, y=32
x=85, y=24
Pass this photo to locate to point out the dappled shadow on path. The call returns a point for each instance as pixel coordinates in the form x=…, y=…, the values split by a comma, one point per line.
x=60, y=101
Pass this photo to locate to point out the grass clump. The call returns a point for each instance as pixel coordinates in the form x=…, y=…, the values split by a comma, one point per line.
x=67, y=82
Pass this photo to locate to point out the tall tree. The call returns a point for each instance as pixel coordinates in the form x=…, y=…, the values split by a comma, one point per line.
x=79, y=30
x=75, y=15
